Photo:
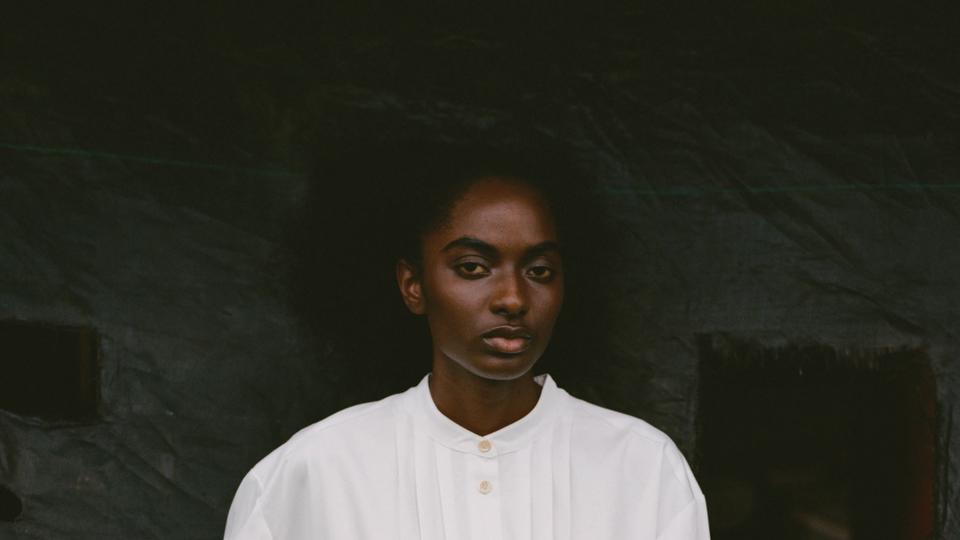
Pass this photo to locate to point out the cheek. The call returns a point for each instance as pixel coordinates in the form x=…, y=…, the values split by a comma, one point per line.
x=453, y=302
x=552, y=300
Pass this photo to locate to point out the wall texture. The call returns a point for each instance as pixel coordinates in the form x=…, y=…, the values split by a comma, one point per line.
x=785, y=174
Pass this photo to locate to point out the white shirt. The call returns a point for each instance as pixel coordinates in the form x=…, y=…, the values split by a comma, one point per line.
x=399, y=469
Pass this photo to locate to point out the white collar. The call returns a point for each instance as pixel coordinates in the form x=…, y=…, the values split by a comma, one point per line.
x=505, y=440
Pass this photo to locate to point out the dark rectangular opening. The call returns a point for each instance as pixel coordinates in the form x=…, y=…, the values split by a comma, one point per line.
x=49, y=371
x=808, y=442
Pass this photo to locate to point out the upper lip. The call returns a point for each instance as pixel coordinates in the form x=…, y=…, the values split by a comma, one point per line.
x=508, y=331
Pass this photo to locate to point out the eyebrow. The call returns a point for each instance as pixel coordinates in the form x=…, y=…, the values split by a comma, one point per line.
x=476, y=244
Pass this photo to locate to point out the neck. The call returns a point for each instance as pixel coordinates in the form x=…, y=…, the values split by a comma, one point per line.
x=481, y=405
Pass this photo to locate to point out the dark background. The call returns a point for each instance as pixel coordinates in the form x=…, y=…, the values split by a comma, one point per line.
x=783, y=172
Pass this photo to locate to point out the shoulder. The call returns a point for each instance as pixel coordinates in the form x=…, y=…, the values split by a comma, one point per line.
x=317, y=463
x=604, y=432
x=625, y=451
x=606, y=423
x=348, y=434
x=355, y=420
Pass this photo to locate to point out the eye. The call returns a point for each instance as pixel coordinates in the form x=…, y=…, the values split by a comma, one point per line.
x=472, y=270
x=540, y=273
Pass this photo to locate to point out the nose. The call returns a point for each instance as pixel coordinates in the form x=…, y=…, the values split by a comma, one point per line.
x=510, y=297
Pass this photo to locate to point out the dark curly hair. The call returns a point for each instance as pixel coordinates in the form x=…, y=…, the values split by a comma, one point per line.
x=368, y=206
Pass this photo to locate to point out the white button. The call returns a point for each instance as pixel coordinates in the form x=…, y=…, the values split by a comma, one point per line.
x=485, y=487
x=485, y=445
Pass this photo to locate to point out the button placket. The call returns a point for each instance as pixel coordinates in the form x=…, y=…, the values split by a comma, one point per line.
x=486, y=506
x=487, y=476
x=488, y=467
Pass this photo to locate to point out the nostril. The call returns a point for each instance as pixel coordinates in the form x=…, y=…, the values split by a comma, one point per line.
x=10, y=505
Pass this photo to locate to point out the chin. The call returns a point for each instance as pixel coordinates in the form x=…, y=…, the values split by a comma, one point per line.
x=502, y=368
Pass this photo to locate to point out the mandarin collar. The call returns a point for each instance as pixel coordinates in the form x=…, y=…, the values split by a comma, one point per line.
x=503, y=441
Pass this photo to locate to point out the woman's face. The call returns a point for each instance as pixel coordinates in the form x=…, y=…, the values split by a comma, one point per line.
x=491, y=280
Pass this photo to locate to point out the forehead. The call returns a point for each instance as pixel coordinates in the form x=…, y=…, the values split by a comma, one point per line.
x=499, y=210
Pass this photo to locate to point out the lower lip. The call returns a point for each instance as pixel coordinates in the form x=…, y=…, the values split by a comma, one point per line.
x=505, y=345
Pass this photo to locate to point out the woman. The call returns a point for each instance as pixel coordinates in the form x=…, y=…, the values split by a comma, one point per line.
x=481, y=448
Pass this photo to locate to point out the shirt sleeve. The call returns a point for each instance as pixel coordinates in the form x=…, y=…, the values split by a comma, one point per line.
x=245, y=520
x=682, y=498
x=690, y=524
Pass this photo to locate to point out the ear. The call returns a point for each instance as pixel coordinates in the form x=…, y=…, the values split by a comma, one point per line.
x=411, y=286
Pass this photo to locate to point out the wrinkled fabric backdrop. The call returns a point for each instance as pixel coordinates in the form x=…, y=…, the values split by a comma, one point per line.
x=786, y=173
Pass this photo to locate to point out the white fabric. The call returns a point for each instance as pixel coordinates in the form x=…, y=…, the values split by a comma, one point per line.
x=397, y=468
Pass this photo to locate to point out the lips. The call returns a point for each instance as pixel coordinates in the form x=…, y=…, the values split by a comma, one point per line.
x=507, y=339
